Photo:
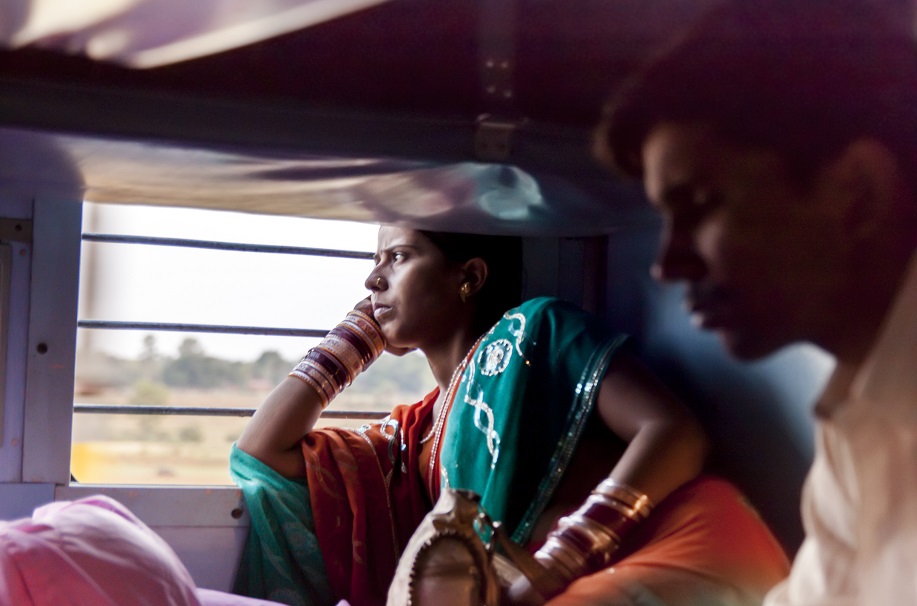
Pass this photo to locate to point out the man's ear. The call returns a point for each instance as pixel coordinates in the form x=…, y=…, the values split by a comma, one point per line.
x=474, y=273
x=872, y=187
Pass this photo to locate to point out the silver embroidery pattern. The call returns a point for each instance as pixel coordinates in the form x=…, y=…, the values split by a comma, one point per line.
x=483, y=415
x=390, y=430
x=493, y=360
x=496, y=357
x=519, y=333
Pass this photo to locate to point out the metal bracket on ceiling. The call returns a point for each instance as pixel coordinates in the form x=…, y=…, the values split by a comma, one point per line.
x=497, y=59
x=493, y=139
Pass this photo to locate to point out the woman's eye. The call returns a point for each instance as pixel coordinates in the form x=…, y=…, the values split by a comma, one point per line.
x=397, y=256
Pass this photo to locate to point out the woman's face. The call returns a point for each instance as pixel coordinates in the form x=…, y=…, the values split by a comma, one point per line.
x=415, y=290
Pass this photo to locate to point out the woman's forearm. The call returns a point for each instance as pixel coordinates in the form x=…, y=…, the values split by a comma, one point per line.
x=666, y=448
x=661, y=456
x=666, y=444
x=291, y=410
x=279, y=424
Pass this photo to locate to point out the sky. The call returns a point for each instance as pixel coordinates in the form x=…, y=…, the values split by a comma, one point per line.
x=165, y=284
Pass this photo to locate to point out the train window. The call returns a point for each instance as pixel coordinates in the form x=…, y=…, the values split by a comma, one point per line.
x=188, y=318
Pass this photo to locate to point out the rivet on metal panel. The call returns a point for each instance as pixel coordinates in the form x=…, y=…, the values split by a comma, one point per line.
x=497, y=81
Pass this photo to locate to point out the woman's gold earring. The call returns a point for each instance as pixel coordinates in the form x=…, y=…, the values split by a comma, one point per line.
x=464, y=291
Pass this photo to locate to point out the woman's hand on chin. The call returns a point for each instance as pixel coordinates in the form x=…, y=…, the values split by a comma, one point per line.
x=366, y=306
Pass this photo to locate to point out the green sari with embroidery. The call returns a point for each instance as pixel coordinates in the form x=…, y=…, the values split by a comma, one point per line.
x=518, y=412
x=522, y=406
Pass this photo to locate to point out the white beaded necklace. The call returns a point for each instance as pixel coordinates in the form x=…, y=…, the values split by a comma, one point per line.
x=440, y=422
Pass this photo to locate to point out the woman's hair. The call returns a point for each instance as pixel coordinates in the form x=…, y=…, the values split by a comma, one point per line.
x=503, y=254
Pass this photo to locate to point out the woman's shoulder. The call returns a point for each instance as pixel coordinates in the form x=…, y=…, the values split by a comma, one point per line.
x=550, y=308
x=560, y=322
x=547, y=305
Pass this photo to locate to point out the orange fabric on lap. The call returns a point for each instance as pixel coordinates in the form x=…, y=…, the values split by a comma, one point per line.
x=703, y=540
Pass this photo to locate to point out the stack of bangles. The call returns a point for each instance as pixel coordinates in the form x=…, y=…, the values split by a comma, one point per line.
x=346, y=351
x=585, y=541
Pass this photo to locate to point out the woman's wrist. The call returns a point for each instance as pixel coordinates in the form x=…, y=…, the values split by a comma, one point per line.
x=346, y=351
x=586, y=540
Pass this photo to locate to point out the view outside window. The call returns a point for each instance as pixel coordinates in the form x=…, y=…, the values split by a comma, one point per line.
x=171, y=369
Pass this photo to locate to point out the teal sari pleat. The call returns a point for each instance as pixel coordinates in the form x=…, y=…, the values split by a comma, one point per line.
x=521, y=408
x=282, y=561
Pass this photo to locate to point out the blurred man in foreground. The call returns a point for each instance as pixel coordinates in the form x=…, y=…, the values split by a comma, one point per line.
x=778, y=139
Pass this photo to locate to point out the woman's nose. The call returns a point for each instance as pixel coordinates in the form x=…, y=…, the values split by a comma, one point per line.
x=374, y=282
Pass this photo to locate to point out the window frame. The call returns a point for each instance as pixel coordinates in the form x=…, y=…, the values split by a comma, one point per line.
x=51, y=342
x=195, y=520
x=158, y=327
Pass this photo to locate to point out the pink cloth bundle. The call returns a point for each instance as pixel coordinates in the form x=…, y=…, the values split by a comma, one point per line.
x=94, y=551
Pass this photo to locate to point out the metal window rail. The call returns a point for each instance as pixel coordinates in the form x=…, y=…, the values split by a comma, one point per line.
x=192, y=411
x=212, y=328
x=232, y=246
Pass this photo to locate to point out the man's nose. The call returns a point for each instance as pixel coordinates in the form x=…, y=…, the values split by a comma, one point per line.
x=678, y=260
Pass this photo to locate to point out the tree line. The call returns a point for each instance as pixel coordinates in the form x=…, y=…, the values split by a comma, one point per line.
x=153, y=373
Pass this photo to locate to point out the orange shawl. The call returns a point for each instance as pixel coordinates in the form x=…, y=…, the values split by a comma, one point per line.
x=367, y=498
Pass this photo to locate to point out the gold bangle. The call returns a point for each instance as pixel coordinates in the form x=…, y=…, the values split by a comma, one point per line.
x=344, y=354
x=561, y=558
x=322, y=395
x=636, y=501
x=320, y=375
x=347, y=350
x=586, y=540
x=371, y=327
x=328, y=364
x=355, y=332
x=330, y=387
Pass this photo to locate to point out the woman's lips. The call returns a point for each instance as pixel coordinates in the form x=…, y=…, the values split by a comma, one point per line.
x=381, y=311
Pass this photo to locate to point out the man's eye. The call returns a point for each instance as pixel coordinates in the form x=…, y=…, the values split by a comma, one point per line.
x=706, y=200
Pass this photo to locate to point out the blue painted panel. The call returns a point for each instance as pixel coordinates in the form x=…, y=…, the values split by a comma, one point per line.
x=19, y=500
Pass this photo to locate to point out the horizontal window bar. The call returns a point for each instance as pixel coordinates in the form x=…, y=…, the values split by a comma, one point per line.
x=234, y=246
x=213, y=328
x=116, y=409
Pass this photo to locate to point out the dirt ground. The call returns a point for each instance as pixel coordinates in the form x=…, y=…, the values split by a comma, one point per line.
x=142, y=449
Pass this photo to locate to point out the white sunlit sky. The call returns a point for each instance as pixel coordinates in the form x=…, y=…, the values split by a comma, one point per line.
x=165, y=284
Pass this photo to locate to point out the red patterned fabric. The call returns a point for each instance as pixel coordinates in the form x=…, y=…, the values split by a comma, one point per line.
x=367, y=498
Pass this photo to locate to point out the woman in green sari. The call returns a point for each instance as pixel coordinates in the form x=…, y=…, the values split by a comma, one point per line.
x=567, y=437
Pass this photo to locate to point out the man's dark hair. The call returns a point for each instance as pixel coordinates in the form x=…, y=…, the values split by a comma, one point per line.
x=802, y=78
